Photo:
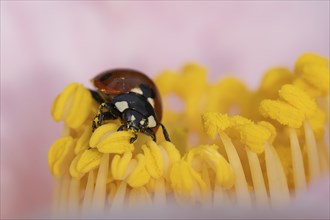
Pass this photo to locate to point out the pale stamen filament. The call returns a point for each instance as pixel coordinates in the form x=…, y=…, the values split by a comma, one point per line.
x=88, y=195
x=74, y=194
x=160, y=194
x=313, y=159
x=279, y=192
x=297, y=162
x=241, y=187
x=257, y=179
x=99, y=197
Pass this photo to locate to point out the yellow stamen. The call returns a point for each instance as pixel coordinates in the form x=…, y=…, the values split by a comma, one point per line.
x=307, y=87
x=119, y=165
x=101, y=133
x=270, y=128
x=117, y=142
x=317, y=76
x=59, y=106
x=251, y=164
x=282, y=112
x=209, y=155
x=298, y=98
x=88, y=160
x=213, y=122
x=187, y=184
x=73, y=105
x=172, y=151
x=254, y=137
x=166, y=82
x=154, y=160
x=310, y=59
x=59, y=156
x=139, y=176
x=83, y=141
x=317, y=122
x=273, y=80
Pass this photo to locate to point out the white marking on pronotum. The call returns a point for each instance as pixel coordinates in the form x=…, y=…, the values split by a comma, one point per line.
x=152, y=102
x=137, y=90
x=121, y=106
x=142, y=122
x=151, y=122
x=132, y=118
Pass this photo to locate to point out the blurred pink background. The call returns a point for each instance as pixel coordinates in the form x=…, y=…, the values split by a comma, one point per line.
x=47, y=45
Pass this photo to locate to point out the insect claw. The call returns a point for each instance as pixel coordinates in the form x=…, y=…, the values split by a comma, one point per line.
x=133, y=139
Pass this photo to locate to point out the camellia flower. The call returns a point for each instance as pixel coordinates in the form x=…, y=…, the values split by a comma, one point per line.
x=231, y=147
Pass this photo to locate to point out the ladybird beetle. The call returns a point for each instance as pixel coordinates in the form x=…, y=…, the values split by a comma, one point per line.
x=130, y=96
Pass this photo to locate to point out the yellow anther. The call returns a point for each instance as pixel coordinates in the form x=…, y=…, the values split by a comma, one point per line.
x=298, y=98
x=224, y=173
x=88, y=160
x=214, y=122
x=196, y=76
x=172, y=151
x=81, y=107
x=318, y=76
x=238, y=120
x=185, y=180
x=101, y=132
x=311, y=90
x=139, y=176
x=270, y=128
x=282, y=112
x=310, y=59
x=117, y=143
x=254, y=137
x=166, y=82
x=154, y=159
x=273, y=80
x=209, y=155
x=120, y=164
x=59, y=155
x=83, y=141
x=73, y=167
x=60, y=105
x=73, y=105
x=219, y=99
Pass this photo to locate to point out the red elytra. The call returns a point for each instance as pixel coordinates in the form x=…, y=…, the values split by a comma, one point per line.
x=117, y=81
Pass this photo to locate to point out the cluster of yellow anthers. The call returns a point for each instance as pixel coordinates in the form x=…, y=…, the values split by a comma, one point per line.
x=253, y=148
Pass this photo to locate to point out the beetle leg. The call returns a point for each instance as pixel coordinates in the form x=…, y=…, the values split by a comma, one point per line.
x=133, y=138
x=121, y=128
x=101, y=115
x=167, y=137
x=150, y=133
x=97, y=97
